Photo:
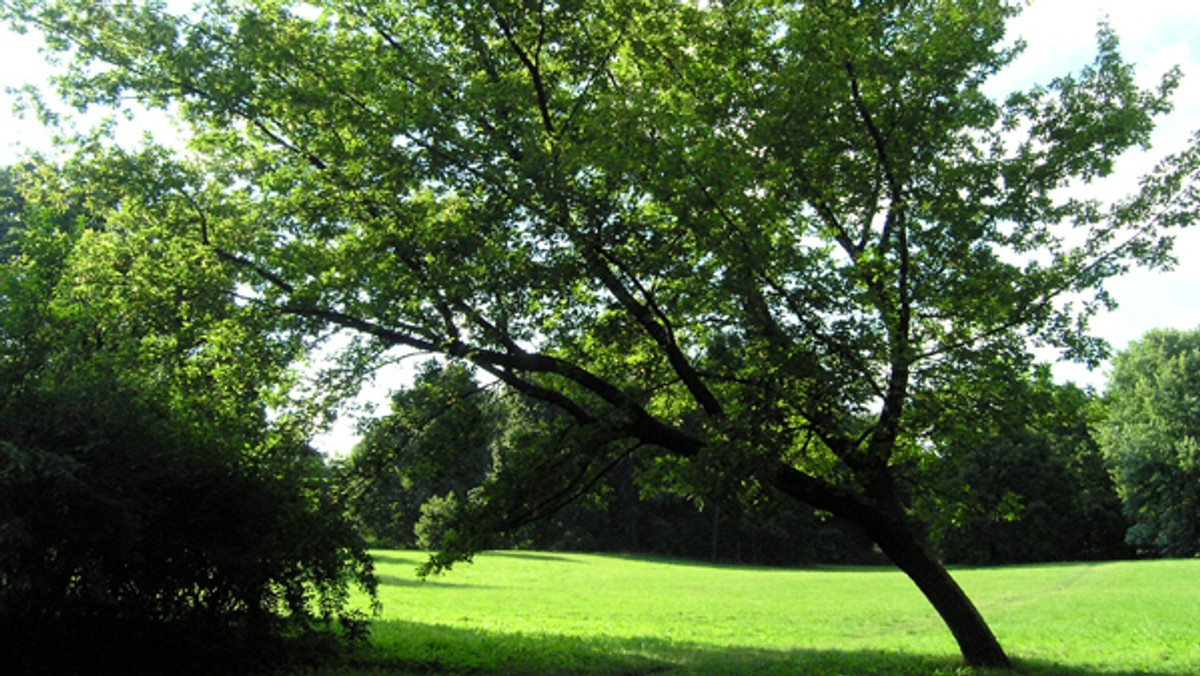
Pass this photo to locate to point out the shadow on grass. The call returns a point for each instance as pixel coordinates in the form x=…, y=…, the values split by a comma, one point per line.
x=535, y=556
x=881, y=567
x=415, y=559
x=390, y=556
x=430, y=582
x=399, y=647
x=1031, y=566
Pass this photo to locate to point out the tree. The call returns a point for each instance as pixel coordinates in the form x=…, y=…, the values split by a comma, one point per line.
x=436, y=455
x=1150, y=439
x=435, y=442
x=1022, y=480
x=1029, y=497
x=148, y=512
x=756, y=238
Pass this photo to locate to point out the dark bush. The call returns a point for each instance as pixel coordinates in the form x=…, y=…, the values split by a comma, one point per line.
x=125, y=546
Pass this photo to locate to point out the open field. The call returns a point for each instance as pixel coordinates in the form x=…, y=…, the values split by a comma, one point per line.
x=521, y=612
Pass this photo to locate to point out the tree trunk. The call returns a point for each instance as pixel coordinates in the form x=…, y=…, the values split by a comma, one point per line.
x=882, y=519
x=975, y=639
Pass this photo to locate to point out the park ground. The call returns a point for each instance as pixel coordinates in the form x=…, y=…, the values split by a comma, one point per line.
x=552, y=613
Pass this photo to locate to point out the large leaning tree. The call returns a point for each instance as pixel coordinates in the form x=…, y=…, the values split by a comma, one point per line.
x=771, y=240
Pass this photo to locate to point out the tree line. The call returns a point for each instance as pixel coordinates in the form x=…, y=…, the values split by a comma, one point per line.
x=1068, y=476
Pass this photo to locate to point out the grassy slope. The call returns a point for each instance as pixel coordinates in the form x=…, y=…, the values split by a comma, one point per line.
x=522, y=612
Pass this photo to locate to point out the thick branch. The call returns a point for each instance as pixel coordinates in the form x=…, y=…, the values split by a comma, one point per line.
x=658, y=330
x=533, y=68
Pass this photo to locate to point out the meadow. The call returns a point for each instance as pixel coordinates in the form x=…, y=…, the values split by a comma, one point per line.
x=549, y=613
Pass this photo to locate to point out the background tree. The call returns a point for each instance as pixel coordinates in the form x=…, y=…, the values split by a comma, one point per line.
x=1150, y=438
x=754, y=238
x=447, y=437
x=434, y=443
x=150, y=517
x=1022, y=481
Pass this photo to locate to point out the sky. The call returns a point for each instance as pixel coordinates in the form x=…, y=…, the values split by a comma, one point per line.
x=1060, y=36
x=1155, y=35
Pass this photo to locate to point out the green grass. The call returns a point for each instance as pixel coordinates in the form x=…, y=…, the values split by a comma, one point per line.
x=518, y=612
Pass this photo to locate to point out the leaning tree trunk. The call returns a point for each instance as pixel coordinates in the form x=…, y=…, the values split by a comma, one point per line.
x=882, y=519
x=975, y=639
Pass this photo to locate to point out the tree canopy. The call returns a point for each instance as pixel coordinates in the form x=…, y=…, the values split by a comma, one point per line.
x=149, y=511
x=772, y=242
x=1151, y=438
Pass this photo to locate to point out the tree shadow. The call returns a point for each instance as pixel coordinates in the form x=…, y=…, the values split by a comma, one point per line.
x=1030, y=566
x=428, y=582
x=533, y=556
x=399, y=647
x=390, y=556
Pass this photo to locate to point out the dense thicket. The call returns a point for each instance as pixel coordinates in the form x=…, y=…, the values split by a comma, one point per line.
x=1033, y=498
x=151, y=519
x=1023, y=480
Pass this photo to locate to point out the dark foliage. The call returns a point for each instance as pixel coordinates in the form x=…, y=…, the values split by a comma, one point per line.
x=1034, y=498
x=146, y=523
x=1022, y=480
x=124, y=545
x=423, y=470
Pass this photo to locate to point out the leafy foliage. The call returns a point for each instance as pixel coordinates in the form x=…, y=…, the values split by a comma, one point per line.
x=423, y=475
x=1026, y=483
x=1150, y=438
x=1032, y=498
x=434, y=444
x=149, y=514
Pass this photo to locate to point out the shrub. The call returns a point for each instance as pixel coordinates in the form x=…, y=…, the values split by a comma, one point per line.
x=123, y=543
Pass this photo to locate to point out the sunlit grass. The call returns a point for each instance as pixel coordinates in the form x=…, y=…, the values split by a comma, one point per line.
x=517, y=612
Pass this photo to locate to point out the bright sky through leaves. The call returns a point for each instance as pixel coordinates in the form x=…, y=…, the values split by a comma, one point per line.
x=1155, y=35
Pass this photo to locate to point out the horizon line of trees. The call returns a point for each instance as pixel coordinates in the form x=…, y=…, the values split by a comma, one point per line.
x=1061, y=478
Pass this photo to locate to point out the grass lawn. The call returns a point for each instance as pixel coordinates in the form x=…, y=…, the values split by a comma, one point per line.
x=522, y=612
